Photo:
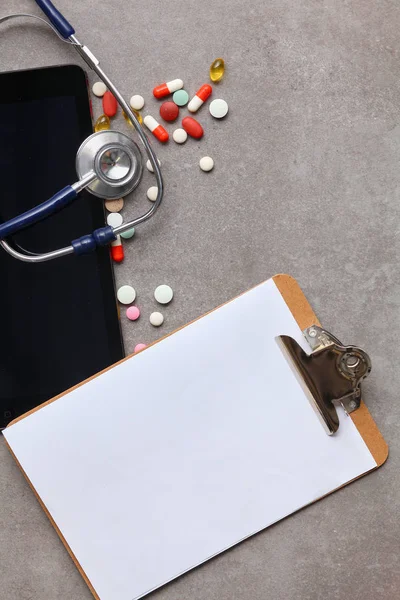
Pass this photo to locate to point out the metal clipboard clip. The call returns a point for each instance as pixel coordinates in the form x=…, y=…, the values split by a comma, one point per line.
x=330, y=375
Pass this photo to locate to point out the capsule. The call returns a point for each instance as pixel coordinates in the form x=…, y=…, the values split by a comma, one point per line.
x=167, y=88
x=137, y=115
x=110, y=104
x=117, y=250
x=192, y=127
x=103, y=123
x=217, y=70
x=201, y=96
x=156, y=129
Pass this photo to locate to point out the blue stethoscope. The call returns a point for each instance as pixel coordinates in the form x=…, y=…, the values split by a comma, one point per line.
x=108, y=163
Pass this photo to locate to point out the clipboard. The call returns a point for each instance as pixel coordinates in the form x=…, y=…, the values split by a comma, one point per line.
x=306, y=319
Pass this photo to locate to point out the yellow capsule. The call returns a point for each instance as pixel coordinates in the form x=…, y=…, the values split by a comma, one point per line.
x=137, y=115
x=102, y=123
x=217, y=70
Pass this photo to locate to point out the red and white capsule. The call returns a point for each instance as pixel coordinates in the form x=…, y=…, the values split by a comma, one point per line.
x=156, y=129
x=117, y=250
x=200, y=97
x=165, y=89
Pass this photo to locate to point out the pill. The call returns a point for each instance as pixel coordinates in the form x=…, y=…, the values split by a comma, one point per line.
x=218, y=108
x=192, y=127
x=152, y=193
x=114, y=205
x=169, y=111
x=110, y=104
x=117, y=250
x=99, y=89
x=102, y=124
x=163, y=294
x=150, y=166
x=206, y=163
x=114, y=219
x=137, y=115
x=167, y=88
x=181, y=98
x=179, y=136
x=126, y=294
x=137, y=102
x=217, y=70
x=200, y=97
x=133, y=313
x=128, y=234
x=156, y=319
x=156, y=129
x=139, y=347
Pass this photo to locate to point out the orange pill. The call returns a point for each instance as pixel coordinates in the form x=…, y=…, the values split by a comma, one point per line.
x=192, y=127
x=117, y=250
x=200, y=97
x=167, y=88
x=110, y=104
x=156, y=129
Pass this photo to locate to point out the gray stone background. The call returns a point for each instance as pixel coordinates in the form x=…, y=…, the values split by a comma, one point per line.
x=306, y=181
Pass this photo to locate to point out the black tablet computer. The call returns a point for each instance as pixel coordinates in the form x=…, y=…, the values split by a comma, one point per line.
x=59, y=319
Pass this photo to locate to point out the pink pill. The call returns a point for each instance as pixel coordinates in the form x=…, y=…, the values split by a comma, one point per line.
x=139, y=347
x=133, y=313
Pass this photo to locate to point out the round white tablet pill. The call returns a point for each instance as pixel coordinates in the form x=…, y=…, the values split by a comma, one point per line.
x=152, y=193
x=114, y=219
x=206, y=163
x=218, y=108
x=126, y=294
x=136, y=102
x=180, y=136
x=163, y=294
x=99, y=89
x=156, y=319
x=150, y=166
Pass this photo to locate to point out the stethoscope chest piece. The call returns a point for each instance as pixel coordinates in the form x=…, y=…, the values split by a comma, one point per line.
x=116, y=161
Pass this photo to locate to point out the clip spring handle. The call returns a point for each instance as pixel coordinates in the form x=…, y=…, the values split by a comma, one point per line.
x=56, y=18
x=330, y=375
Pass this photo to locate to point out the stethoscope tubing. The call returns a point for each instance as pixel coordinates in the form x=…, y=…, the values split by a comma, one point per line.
x=65, y=31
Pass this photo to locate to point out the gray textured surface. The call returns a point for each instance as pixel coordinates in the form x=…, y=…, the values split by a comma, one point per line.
x=307, y=181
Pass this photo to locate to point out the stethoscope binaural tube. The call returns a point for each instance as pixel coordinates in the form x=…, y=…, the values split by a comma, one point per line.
x=104, y=235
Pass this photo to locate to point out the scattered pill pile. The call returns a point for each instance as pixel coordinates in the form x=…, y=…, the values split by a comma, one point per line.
x=169, y=112
x=126, y=295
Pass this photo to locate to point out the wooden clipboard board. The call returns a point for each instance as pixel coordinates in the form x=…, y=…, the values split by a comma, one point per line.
x=305, y=317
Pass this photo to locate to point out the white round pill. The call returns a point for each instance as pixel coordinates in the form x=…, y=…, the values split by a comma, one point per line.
x=163, y=294
x=99, y=89
x=152, y=193
x=150, y=166
x=218, y=108
x=136, y=102
x=114, y=219
x=180, y=136
x=156, y=319
x=206, y=163
x=126, y=294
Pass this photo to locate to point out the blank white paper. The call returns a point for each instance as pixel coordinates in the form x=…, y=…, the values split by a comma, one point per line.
x=185, y=449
